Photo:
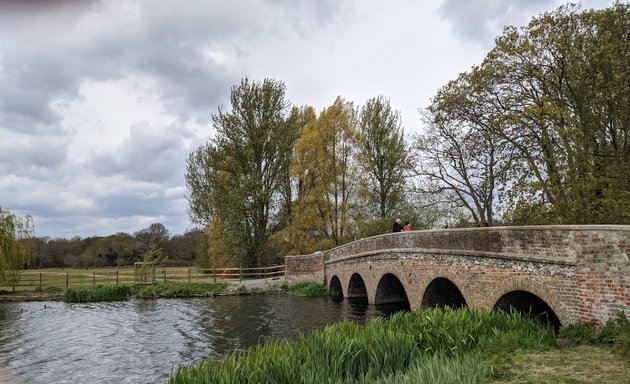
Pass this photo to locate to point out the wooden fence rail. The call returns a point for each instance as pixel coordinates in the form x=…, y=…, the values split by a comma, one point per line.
x=83, y=278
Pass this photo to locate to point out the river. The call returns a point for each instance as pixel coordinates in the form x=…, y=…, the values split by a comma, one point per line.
x=143, y=341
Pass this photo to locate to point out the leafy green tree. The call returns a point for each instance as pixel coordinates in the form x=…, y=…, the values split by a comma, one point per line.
x=561, y=87
x=16, y=234
x=240, y=177
x=549, y=109
x=382, y=156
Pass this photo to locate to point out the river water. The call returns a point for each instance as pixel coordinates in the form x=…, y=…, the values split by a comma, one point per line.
x=143, y=341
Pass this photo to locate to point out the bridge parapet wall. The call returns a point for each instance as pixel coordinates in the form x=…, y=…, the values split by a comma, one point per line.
x=594, y=261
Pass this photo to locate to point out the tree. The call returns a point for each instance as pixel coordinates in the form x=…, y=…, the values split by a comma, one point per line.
x=382, y=156
x=460, y=157
x=152, y=236
x=237, y=176
x=323, y=166
x=561, y=85
x=16, y=234
x=552, y=100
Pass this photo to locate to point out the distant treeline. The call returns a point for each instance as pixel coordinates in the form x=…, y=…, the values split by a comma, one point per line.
x=117, y=250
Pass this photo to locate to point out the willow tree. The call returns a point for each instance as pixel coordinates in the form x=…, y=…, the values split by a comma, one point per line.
x=237, y=178
x=15, y=245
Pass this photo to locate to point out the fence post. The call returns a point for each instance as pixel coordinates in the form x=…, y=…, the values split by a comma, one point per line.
x=214, y=273
x=93, y=279
x=116, y=277
x=265, y=275
x=188, y=275
x=40, y=280
x=240, y=274
x=67, y=280
x=164, y=273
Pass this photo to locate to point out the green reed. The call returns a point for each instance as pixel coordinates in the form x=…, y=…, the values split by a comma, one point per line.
x=99, y=293
x=178, y=290
x=309, y=289
x=441, y=346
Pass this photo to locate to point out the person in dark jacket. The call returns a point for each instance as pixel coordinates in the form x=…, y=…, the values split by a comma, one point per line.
x=397, y=226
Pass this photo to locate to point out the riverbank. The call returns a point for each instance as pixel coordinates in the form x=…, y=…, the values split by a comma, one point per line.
x=168, y=290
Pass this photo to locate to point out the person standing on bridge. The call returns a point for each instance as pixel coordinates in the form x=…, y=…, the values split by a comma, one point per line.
x=407, y=227
x=397, y=226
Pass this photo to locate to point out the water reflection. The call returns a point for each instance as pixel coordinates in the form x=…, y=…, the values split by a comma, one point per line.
x=141, y=341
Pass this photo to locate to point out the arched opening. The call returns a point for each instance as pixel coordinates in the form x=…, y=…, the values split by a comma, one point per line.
x=335, y=287
x=356, y=287
x=529, y=305
x=391, y=291
x=441, y=292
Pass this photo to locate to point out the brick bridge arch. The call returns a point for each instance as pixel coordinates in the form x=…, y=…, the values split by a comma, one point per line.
x=580, y=272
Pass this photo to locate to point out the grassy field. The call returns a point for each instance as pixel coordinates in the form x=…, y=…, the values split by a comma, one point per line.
x=47, y=279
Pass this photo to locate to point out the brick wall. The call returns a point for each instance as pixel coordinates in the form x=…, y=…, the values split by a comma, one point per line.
x=305, y=268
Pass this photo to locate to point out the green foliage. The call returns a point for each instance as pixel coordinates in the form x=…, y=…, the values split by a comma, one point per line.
x=241, y=175
x=177, y=290
x=431, y=346
x=382, y=156
x=308, y=289
x=15, y=245
x=539, y=129
x=100, y=293
x=615, y=332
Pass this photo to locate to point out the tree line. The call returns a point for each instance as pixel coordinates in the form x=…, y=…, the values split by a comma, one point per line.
x=121, y=249
x=538, y=133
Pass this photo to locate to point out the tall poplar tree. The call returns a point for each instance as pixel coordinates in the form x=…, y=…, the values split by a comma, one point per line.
x=237, y=176
x=382, y=156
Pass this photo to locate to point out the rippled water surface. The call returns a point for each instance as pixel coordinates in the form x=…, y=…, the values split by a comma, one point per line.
x=142, y=341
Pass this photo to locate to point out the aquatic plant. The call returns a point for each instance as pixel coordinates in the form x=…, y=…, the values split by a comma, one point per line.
x=99, y=293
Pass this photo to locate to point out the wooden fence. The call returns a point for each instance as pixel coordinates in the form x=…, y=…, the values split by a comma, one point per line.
x=77, y=278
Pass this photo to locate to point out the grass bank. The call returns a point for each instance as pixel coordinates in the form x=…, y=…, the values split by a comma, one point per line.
x=431, y=346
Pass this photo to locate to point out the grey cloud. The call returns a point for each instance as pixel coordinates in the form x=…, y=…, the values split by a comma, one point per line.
x=482, y=20
x=147, y=154
x=21, y=154
x=47, y=59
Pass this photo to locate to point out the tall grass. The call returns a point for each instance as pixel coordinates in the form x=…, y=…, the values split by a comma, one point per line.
x=433, y=346
x=178, y=290
x=100, y=293
x=309, y=289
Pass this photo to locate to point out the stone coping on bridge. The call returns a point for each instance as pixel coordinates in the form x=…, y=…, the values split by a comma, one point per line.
x=556, y=243
x=451, y=252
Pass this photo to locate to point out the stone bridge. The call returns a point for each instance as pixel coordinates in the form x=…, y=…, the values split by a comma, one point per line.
x=564, y=273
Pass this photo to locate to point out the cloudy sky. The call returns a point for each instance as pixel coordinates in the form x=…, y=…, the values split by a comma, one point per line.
x=102, y=101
